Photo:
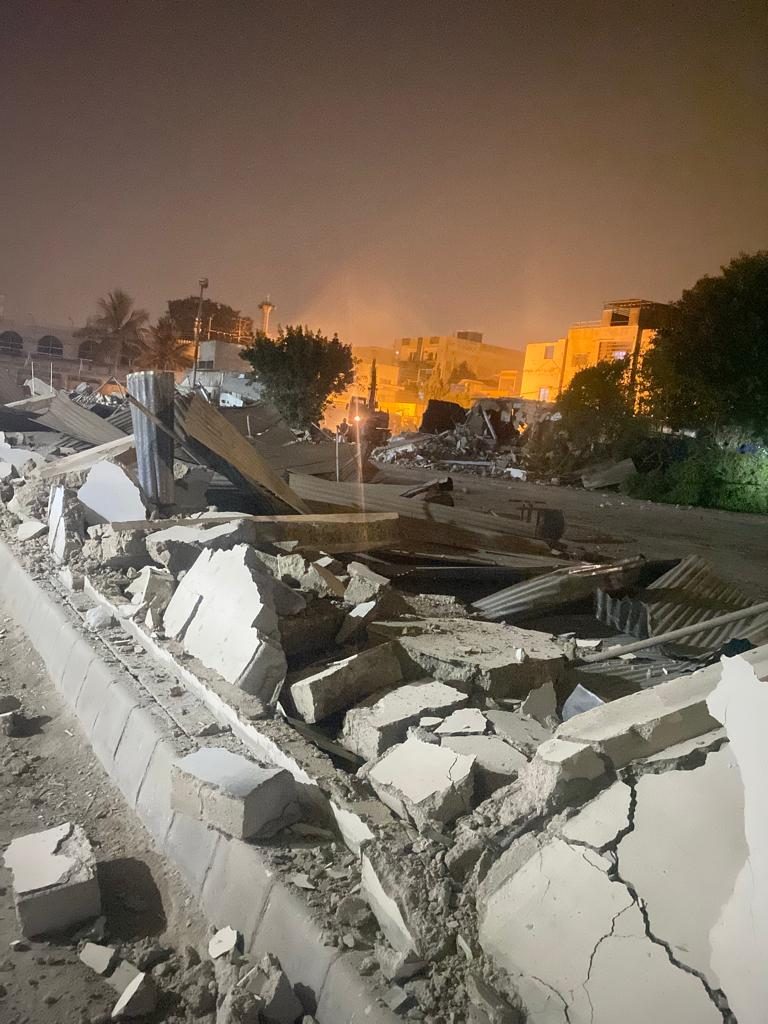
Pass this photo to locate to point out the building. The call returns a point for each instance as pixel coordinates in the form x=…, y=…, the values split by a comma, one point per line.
x=424, y=359
x=52, y=352
x=626, y=329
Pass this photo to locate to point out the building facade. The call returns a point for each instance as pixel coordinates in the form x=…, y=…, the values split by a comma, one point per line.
x=52, y=352
x=625, y=330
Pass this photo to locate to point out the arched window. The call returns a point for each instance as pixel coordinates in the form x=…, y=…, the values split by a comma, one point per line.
x=11, y=343
x=50, y=346
x=88, y=350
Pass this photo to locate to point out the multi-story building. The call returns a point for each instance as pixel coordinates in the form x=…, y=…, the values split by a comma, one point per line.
x=423, y=359
x=626, y=329
x=53, y=353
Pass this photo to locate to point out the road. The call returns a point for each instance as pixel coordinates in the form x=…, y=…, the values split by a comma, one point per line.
x=609, y=525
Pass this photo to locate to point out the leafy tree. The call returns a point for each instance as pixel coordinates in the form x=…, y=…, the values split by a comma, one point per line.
x=163, y=349
x=596, y=407
x=709, y=367
x=224, y=320
x=300, y=369
x=463, y=371
x=116, y=329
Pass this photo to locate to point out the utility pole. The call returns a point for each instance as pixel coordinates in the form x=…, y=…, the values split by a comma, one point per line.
x=198, y=327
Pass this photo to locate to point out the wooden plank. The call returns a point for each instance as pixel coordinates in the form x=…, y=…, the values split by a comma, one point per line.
x=506, y=534
x=334, y=533
x=117, y=451
x=205, y=424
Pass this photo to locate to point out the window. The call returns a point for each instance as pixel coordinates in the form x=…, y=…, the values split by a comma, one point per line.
x=543, y=394
x=87, y=350
x=620, y=353
x=50, y=346
x=11, y=343
x=580, y=359
x=549, y=351
x=205, y=364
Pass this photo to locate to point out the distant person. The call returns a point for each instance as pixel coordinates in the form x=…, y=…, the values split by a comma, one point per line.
x=343, y=430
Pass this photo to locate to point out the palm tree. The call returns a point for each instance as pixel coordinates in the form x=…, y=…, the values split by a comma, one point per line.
x=117, y=328
x=161, y=348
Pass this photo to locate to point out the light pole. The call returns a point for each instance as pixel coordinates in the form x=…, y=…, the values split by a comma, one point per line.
x=198, y=326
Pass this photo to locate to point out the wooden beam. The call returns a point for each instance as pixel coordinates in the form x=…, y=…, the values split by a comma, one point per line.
x=114, y=451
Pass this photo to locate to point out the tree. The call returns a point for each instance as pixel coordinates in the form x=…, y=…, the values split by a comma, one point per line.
x=300, y=370
x=709, y=367
x=463, y=371
x=163, y=349
x=117, y=328
x=596, y=407
x=225, y=322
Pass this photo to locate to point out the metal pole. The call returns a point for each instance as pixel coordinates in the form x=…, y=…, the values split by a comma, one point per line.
x=154, y=390
x=198, y=326
x=674, y=634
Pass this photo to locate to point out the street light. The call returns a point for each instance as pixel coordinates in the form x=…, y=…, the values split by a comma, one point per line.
x=203, y=282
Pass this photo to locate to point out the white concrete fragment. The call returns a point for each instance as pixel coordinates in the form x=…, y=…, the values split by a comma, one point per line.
x=99, y=958
x=581, y=699
x=65, y=525
x=541, y=705
x=153, y=588
x=225, y=613
x=223, y=942
x=54, y=879
x=496, y=762
x=109, y=495
x=99, y=618
x=385, y=909
x=319, y=694
x=364, y=584
x=19, y=457
x=355, y=621
x=30, y=529
x=138, y=999
x=233, y=794
x=423, y=782
x=465, y=722
x=381, y=721
x=523, y=733
x=601, y=820
x=269, y=983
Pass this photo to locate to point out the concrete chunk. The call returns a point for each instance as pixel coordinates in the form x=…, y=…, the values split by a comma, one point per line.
x=138, y=999
x=65, y=524
x=364, y=584
x=601, y=820
x=541, y=705
x=225, y=613
x=233, y=794
x=54, y=879
x=30, y=529
x=381, y=721
x=505, y=661
x=269, y=983
x=496, y=762
x=153, y=588
x=524, y=734
x=178, y=547
x=345, y=682
x=466, y=722
x=423, y=782
x=109, y=495
x=223, y=942
x=100, y=959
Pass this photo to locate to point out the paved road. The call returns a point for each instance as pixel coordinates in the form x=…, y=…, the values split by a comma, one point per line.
x=614, y=526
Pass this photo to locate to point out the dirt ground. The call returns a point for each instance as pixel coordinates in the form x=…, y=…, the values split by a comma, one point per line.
x=48, y=777
x=611, y=525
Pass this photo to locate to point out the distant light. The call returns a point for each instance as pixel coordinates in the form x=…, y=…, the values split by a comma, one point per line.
x=357, y=419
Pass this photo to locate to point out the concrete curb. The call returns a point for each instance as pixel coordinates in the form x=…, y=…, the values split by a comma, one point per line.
x=132, y=737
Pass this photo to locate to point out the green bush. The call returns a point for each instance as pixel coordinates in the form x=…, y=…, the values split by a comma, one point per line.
x=709, y=478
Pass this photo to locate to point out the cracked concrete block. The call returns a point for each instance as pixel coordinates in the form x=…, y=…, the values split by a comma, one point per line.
x=270, y=984
x=550, y=896
x=541, y=705
x=504, y=661
x=54, y=879
x=602, y=819
x=496, y=762
x=423, y=782
x=110, y=495
x=646, y=722
x=153, y=588
x=65, y=523
x=337, y=686
x=524, y=734
x=178, y=547
x=465, y=722
x=560, y=772
x=580, y=699
x=225, y=613
x=233, y=794
x=118, y=549
x=364, y=584
x=30, y=529
x=381, y=721
x=100, y=959
x=137, y=999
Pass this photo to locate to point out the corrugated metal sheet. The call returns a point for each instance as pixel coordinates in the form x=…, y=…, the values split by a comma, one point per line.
x=561, y=587
x=59, y=413
x=689, y=593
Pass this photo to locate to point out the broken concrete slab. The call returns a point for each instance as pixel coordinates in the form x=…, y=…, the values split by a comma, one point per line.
x=378, y=723
x=600, y=821
x=100, y=959
x=646, y=722
x=233, y=794
x=65, y=524
x=54, y=879
x=153, y=588
x=178, y=547
x=364, y=584
x=225, y=613
x=496, y=762
x=504, y=661
x=580, y=700
x=465, y=722
x=121, y=977
x=269, y=983
x=355, y=621
x=138, y=999
x=423, y=782
x=317, y=695
x=30, y=529
x=541, y=705
x=526, y=735
x=608, y=474
x=117, y=549
x=223, y=942
x=110, y=495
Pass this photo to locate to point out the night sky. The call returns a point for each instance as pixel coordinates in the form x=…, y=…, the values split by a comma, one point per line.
x=379, y=168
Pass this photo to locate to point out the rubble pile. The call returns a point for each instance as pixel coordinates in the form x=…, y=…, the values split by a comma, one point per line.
x=457, y=800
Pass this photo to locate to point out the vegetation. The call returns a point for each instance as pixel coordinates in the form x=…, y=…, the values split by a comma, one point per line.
x=115, y=332
x=300, y=370
x=709, y=367
x=162, y=348
x=596, y=409
x=224, y=320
